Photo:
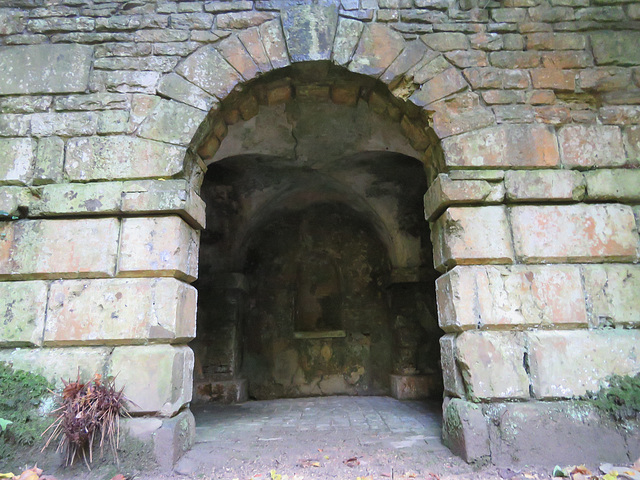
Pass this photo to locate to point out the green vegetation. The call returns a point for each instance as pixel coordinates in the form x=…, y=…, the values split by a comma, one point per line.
x=621, y=399
x=21, y=394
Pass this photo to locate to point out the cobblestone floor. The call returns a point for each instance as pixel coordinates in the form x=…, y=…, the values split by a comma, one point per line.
x=314, y=437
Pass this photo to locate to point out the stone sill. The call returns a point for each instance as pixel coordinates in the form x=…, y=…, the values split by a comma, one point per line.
x=321, y=334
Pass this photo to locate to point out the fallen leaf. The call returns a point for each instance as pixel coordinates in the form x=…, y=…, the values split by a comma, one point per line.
x=7, y=475
x=308, y=463
x=351, y=462
x=559, y=472
x=612, y=475
x=365, y=478
x=119, y=477
x=582, y=470
x=579, y=476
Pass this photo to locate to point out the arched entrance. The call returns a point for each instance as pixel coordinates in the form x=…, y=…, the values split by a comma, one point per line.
x=316, y=270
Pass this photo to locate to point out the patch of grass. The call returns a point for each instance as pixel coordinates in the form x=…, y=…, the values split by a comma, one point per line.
x=621, y=399
x=21, y=395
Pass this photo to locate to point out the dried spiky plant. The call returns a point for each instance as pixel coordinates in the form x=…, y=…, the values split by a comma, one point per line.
x=88, y=411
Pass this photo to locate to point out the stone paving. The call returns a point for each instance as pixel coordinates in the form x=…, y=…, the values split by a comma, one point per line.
x=388, y=438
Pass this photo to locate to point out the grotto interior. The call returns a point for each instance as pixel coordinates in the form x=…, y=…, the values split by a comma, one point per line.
x=316, y=271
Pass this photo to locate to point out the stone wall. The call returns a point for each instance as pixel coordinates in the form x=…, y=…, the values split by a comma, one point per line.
x=528, y=114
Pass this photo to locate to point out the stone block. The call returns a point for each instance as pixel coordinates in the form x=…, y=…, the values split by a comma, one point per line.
x=92, y=102
x=17, y=156
x=620, y=185
x=14, y=125
x=125, y=81
x=223, y=391
x=250, y=38
x=492, y=365
x=121, y=157
x=429, y=67
x=172, y=122
x=552, y=433
x=274, y=44
x=554, y=79
x=176, y=87
x=49, y=161
x=174, y=438
x=69, y=198
x=234, y=52
x=58, y=248
x=309, y=31
x=444, y=192
x=471, y=235
x=452, y=379
x=47, y=68
x=412, y=53
x=442, y=85
x=612, y=293
x=11, y=199
x=120, y=311
x=208, y=69
x=156, y=378
x=503, y=146
x=378, y=48
x=170, y=196
x=591, y=145
x=544, y=185
x=465, y=430
x=22, y=313
x=500, y=78
x=574, y=233
x=616, y=47
x=67, y=124
x=346, y=40
x=445, y=41
x=567, y=364
x=158, y=246
x=242, y=20
x=56, y=364
x=498, y=297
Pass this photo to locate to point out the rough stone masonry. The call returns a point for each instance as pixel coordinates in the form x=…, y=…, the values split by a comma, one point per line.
x=525, y=114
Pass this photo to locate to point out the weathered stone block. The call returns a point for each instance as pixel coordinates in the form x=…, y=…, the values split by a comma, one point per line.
x=49, y=161
x=591, y=145
x=465, y=430
x=492, y=365
x=68, y=124
x=22, y=312
x=92, y=102
x=250, y=39
x=56, y=364
x=415, y=387
x=44, y=68
x=234, y=52
x=208, y=69
x=544, y=185
x=274, y=44
x=69, y=198
x=346, y=40
x=413, y=53
x=11, y=199
x=612, y=293
x=471, y=235
x=446, y=41
x=551, y=433
x=121, y=157
x=632, y=144
x=452, y=379
x=176, y=436
x=120, y=311
x=17, y=154
x=58, y=248
x=14, y=125
x=621, y=185
x=503, y=146
x=566, y=364
x=442, y=85
x=378, y=48
x=172, y=122
x=574, y=233
x=157, y=378
x=444, y=192
x=170, y=196
x=158, y=246
x=497, y=297
x=616, y=47
x=310, y=30
x=176, y=87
